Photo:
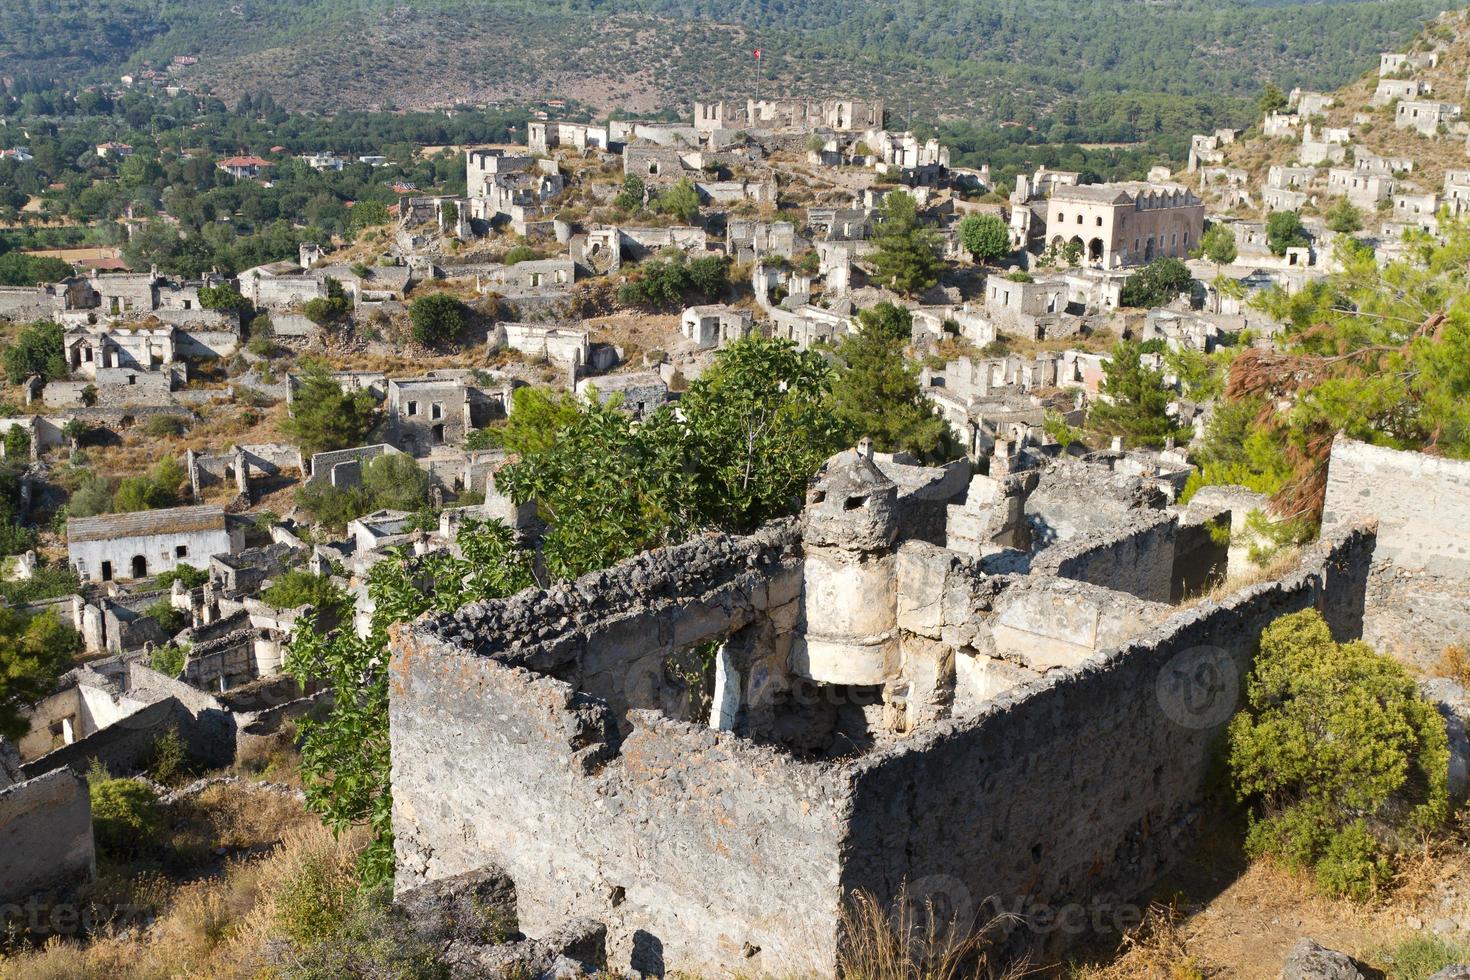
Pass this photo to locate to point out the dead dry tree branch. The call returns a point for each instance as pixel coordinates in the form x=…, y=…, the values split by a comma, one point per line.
x=1277, y=376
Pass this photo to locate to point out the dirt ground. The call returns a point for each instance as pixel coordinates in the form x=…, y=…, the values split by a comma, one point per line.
x=1238, y=920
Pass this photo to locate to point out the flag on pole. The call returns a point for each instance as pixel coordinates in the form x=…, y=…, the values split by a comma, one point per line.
x=757, y=54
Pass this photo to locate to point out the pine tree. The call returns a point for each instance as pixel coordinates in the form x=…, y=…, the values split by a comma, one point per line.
x=907, y=254
x=1138, y=401
x=877, y=392
x=324, y=417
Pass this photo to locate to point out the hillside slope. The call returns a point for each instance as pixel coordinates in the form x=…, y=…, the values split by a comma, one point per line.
x=1004, y=59
x=1372, y=128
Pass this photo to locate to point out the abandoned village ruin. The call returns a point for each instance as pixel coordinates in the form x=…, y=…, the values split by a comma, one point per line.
x=990, y=684
x=979, y=689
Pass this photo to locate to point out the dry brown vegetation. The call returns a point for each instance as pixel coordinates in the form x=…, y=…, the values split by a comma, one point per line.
x=210, y=896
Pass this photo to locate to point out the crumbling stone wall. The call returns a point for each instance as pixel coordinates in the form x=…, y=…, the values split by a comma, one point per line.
x=1078, y=787
x=1419, y=593
x=45, y=836
x=535, y=733
x=1137, y=559
x=675, y=835
x=206, y=728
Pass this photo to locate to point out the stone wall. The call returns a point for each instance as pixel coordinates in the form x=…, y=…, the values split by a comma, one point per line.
x=1419, y=593
x=24, y=304
x=634, y=821
x=535, y=733
x=124, y=746
x=690, y=844
x=206, y=728
x=1137, y=559
x=45, y=836
x=1079, y=787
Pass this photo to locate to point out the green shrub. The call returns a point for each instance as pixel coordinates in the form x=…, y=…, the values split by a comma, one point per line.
x=17, y=443
x=1339, y=758
x=191, y=577
x=159, y=426
x=521, y=253
x=630, y=198
x=315, y=900
x=126, y=818
x=437, y=318
x=169, y=760
x=167, y=659
x=169, y=619
x=370, y=941
x=298, y=587
x=159, y=488
x=482, y=439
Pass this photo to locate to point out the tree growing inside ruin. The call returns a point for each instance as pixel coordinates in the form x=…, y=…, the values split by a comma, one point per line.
x=37, y=351
x=630, y=198
x=749, y=433
x=331, y=309
x=986, y=237
x=1342, y=763
x=680, y=200
x=345, y=759
x=17, y=443
x=324, y=417
x=1217, y=246
x=1135, y=403
x=437, y=318
x=1284, y=230
x=38, y=649
x=758, y=424
x=906, y=252
x=1156, y=284
x=877, y=392
x=1343, y=218
x=223, y=297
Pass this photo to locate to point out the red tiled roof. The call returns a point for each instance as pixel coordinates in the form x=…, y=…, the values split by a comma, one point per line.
x=251, y=161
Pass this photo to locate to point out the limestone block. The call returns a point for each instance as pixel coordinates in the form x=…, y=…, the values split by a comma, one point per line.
x=1044, y=630
x=979, y=679
x=476, y=906
x=923, y=575
x=1309, y=960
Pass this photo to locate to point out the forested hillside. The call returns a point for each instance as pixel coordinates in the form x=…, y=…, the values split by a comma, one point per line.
x=1009, y=61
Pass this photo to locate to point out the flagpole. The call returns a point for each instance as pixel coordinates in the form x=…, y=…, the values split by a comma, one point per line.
x=757, y=74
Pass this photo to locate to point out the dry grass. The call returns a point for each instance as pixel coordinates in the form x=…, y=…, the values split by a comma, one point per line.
x=1282, y=563
x=1156, y=950
x=910, y=941
x=221, y=926
x=1455, y=664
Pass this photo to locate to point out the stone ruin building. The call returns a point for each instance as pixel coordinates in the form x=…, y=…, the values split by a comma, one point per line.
x=997, y=692
x=841, y=115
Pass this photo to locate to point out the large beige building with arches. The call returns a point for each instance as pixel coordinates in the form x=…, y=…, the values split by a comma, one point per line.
x=1124, y=224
